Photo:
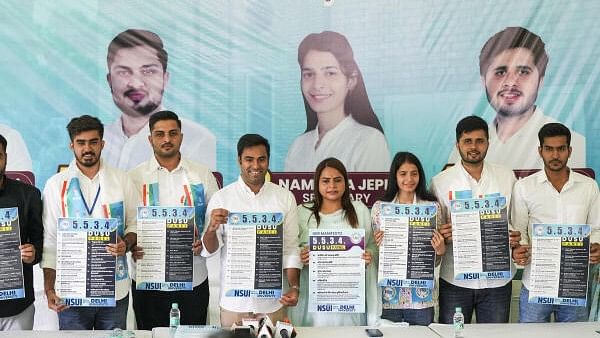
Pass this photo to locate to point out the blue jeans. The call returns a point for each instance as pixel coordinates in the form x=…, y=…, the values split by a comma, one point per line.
x=97, y=318
x=422, y=317
x=491, y=305
x=540, y=313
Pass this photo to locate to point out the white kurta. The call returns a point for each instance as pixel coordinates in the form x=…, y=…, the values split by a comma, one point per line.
x=171, y=194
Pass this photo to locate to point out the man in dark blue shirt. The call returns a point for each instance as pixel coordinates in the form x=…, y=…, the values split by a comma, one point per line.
x=17, y=313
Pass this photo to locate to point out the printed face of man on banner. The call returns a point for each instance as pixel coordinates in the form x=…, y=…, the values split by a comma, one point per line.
x=137, y=80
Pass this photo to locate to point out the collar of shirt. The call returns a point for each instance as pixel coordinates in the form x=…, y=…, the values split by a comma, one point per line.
x=344, y=124
x=542, y=178
x=77, y=172
x=246, y=189
x=153, y=165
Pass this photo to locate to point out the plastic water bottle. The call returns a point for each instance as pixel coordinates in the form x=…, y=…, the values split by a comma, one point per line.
x=459, y=323
x=174, y=316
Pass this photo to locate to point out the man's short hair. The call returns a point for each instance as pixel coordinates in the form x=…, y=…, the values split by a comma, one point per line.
x=514, y=37
x=469, y=124
x=137, y=37
x=163, y=115
x=251, y=140
x=3, y=142
x=78, y=125
x=554, y=129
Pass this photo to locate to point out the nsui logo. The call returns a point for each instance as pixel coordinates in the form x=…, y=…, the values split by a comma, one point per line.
x=73, y=302
x=241, y=293
x=545, y=300
x=324, y=308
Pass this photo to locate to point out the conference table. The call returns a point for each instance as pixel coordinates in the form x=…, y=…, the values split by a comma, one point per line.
x=533, y=330
x=341, y=332
x=70, y=334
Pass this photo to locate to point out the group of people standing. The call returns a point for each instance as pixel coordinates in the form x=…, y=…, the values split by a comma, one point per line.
x=343, y=134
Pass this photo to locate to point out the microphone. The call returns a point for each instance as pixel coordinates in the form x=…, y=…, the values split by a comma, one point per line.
x=253, y=323
x=284, y=330
x=266, y=328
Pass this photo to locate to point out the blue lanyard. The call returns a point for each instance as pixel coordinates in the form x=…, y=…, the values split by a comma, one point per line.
x=89, y=211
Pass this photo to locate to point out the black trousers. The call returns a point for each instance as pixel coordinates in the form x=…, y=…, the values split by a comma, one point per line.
x=152, y=307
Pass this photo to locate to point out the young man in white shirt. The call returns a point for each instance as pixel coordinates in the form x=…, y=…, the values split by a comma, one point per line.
x=555, y=195
x=472, y=177
x=137, y=76
x=512, y=65
x=251, y=193
x=178, y=182
x=88, y=188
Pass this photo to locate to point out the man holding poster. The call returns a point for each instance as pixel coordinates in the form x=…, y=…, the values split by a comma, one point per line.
x=87, y=190
x=559, y=201
x=137, y=77
x=170, y=181
x=474, y=178
x=512, y=65
x=21, y=234
x=271, y=211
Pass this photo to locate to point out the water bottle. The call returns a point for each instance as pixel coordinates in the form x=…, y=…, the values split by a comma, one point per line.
x=459, y=323
x=174, y=316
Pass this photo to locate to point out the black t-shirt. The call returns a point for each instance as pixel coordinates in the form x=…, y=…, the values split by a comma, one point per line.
x=28, y=199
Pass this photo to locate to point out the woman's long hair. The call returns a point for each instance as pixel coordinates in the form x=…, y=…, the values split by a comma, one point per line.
x=317, y=202
x=357, y=102
x=392, y=189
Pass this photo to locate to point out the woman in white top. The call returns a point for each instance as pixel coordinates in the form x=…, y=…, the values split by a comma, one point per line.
x=332, y=208
x=407, y=185
x=340, y=121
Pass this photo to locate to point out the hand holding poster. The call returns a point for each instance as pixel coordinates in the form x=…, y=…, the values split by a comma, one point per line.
x=337, y=271
x=254, y=255
x=166, y=234
x=480, y=238
x=11, y=265
x=406, y=256
x=559, y=264
x=85, y=271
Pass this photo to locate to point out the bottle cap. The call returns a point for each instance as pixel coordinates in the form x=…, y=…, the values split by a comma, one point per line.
x=174, y=306
x=458, y=309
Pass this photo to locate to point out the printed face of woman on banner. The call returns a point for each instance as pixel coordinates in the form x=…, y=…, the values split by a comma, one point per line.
x=325, y=85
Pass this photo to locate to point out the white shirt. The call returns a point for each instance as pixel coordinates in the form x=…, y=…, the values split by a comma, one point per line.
x=520, y=151
x=16, y=150
x=359, y=147
x=115, y=189
x=126, y=153
x=535, y=200
x=171, y=193
x=494, y=179
x=237, y=197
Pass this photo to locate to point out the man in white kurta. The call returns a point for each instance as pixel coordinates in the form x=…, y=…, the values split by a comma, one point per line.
x=88, y=189
x=137, y=76
x=178, y=182
x=251, y=193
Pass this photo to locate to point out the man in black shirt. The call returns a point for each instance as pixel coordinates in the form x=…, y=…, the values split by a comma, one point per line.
x=17, y=314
